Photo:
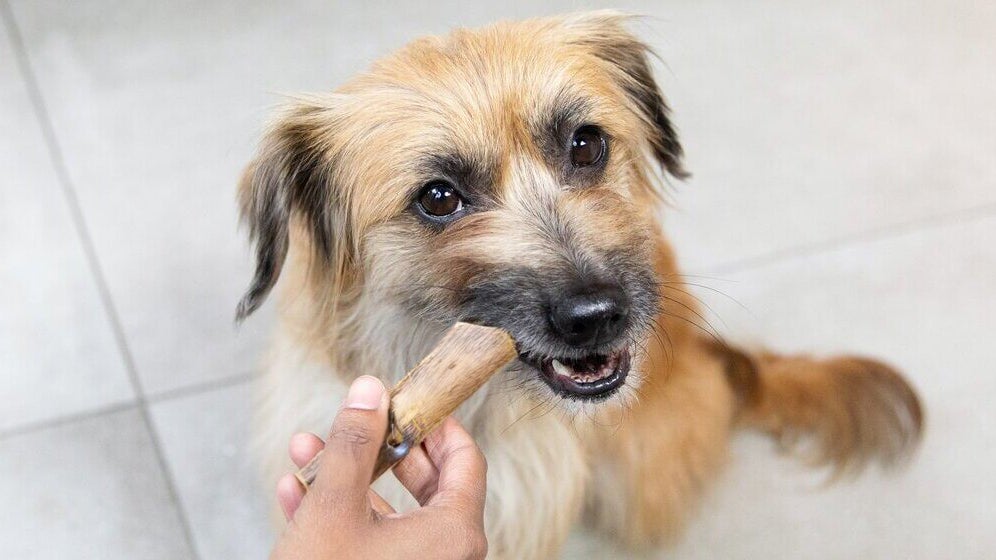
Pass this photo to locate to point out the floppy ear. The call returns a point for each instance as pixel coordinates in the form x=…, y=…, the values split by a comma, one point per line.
x=605, y=35
x=290, y=176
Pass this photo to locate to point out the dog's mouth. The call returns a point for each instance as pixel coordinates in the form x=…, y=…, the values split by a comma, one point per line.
x=594, y=377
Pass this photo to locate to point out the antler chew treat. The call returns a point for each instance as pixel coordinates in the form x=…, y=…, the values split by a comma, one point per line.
x=466, y=357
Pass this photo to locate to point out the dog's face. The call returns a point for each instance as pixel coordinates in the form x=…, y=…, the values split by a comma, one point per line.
x=498, y=176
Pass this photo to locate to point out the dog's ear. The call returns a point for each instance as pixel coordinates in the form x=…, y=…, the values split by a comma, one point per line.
x=605, y=35
x=290, y=176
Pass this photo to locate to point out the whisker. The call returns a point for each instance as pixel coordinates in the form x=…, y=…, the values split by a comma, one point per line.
x=722, y=293
x=698, y=299
x=711, y=331
x=702, y=276
x=553, y=406
x=516, y=421
x=715, y=337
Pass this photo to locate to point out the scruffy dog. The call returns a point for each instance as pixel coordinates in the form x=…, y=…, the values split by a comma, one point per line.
x=506, y=176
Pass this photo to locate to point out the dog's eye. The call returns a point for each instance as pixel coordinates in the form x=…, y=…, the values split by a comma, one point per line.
x=587, y=146
x=440, y=199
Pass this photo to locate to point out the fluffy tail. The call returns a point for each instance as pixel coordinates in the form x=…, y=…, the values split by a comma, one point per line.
x=843, y=411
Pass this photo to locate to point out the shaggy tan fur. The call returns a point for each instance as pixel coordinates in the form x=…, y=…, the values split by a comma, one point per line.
x=368, y=289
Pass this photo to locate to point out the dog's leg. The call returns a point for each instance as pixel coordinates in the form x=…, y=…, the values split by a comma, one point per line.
x=850, y=410
x=537, y=472
x=653, y=459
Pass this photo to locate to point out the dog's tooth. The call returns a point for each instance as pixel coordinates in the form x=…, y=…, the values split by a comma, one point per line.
x=561, y=369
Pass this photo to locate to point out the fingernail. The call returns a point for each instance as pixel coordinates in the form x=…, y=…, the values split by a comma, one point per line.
x=365, y=393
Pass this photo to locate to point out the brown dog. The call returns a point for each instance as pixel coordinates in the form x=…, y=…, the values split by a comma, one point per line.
x=505, y=175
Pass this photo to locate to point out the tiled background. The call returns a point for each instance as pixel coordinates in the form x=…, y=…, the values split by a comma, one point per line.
x=844, y=196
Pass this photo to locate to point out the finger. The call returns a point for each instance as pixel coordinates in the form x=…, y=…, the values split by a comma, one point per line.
x=462, y=468
x=303, y=447
x=289, y=495
x=347, y=462
x=418, y=474
x=379, y=504
x=453, y=516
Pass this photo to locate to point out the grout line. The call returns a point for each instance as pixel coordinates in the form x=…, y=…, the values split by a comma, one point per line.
x=200, y=388
x=66, y=419
x=79, y=223
x=962, y=216
x=165, y=396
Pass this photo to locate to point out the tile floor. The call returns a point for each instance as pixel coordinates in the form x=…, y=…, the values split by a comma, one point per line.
x=844, y=196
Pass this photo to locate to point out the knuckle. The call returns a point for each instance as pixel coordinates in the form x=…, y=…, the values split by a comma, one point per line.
x=354, y=437
x=352, y=431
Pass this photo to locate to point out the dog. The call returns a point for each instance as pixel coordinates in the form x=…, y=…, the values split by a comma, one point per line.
x=513, y=176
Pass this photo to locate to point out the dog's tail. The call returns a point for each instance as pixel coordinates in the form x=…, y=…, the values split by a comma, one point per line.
x=843, y=411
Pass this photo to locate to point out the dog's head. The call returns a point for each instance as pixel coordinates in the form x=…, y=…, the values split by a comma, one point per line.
x=501, y=176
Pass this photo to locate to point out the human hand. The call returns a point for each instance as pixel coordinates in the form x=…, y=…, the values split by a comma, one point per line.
x=341, y=517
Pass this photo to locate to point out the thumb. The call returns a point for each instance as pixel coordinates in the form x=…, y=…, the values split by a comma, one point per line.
x=357, y=434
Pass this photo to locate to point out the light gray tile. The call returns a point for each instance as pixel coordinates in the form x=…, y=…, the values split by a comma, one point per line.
x=92, y=489
x=57, y=351
x=205, y=439
x=925, y=301
x=810, y=121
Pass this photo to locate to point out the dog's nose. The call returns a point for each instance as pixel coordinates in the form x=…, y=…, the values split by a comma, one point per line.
x=589, y=318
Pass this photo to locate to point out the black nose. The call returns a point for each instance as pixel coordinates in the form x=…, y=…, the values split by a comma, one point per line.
x=589, y=318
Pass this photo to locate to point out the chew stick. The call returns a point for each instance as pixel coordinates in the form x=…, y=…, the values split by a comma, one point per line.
x=466, y=357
